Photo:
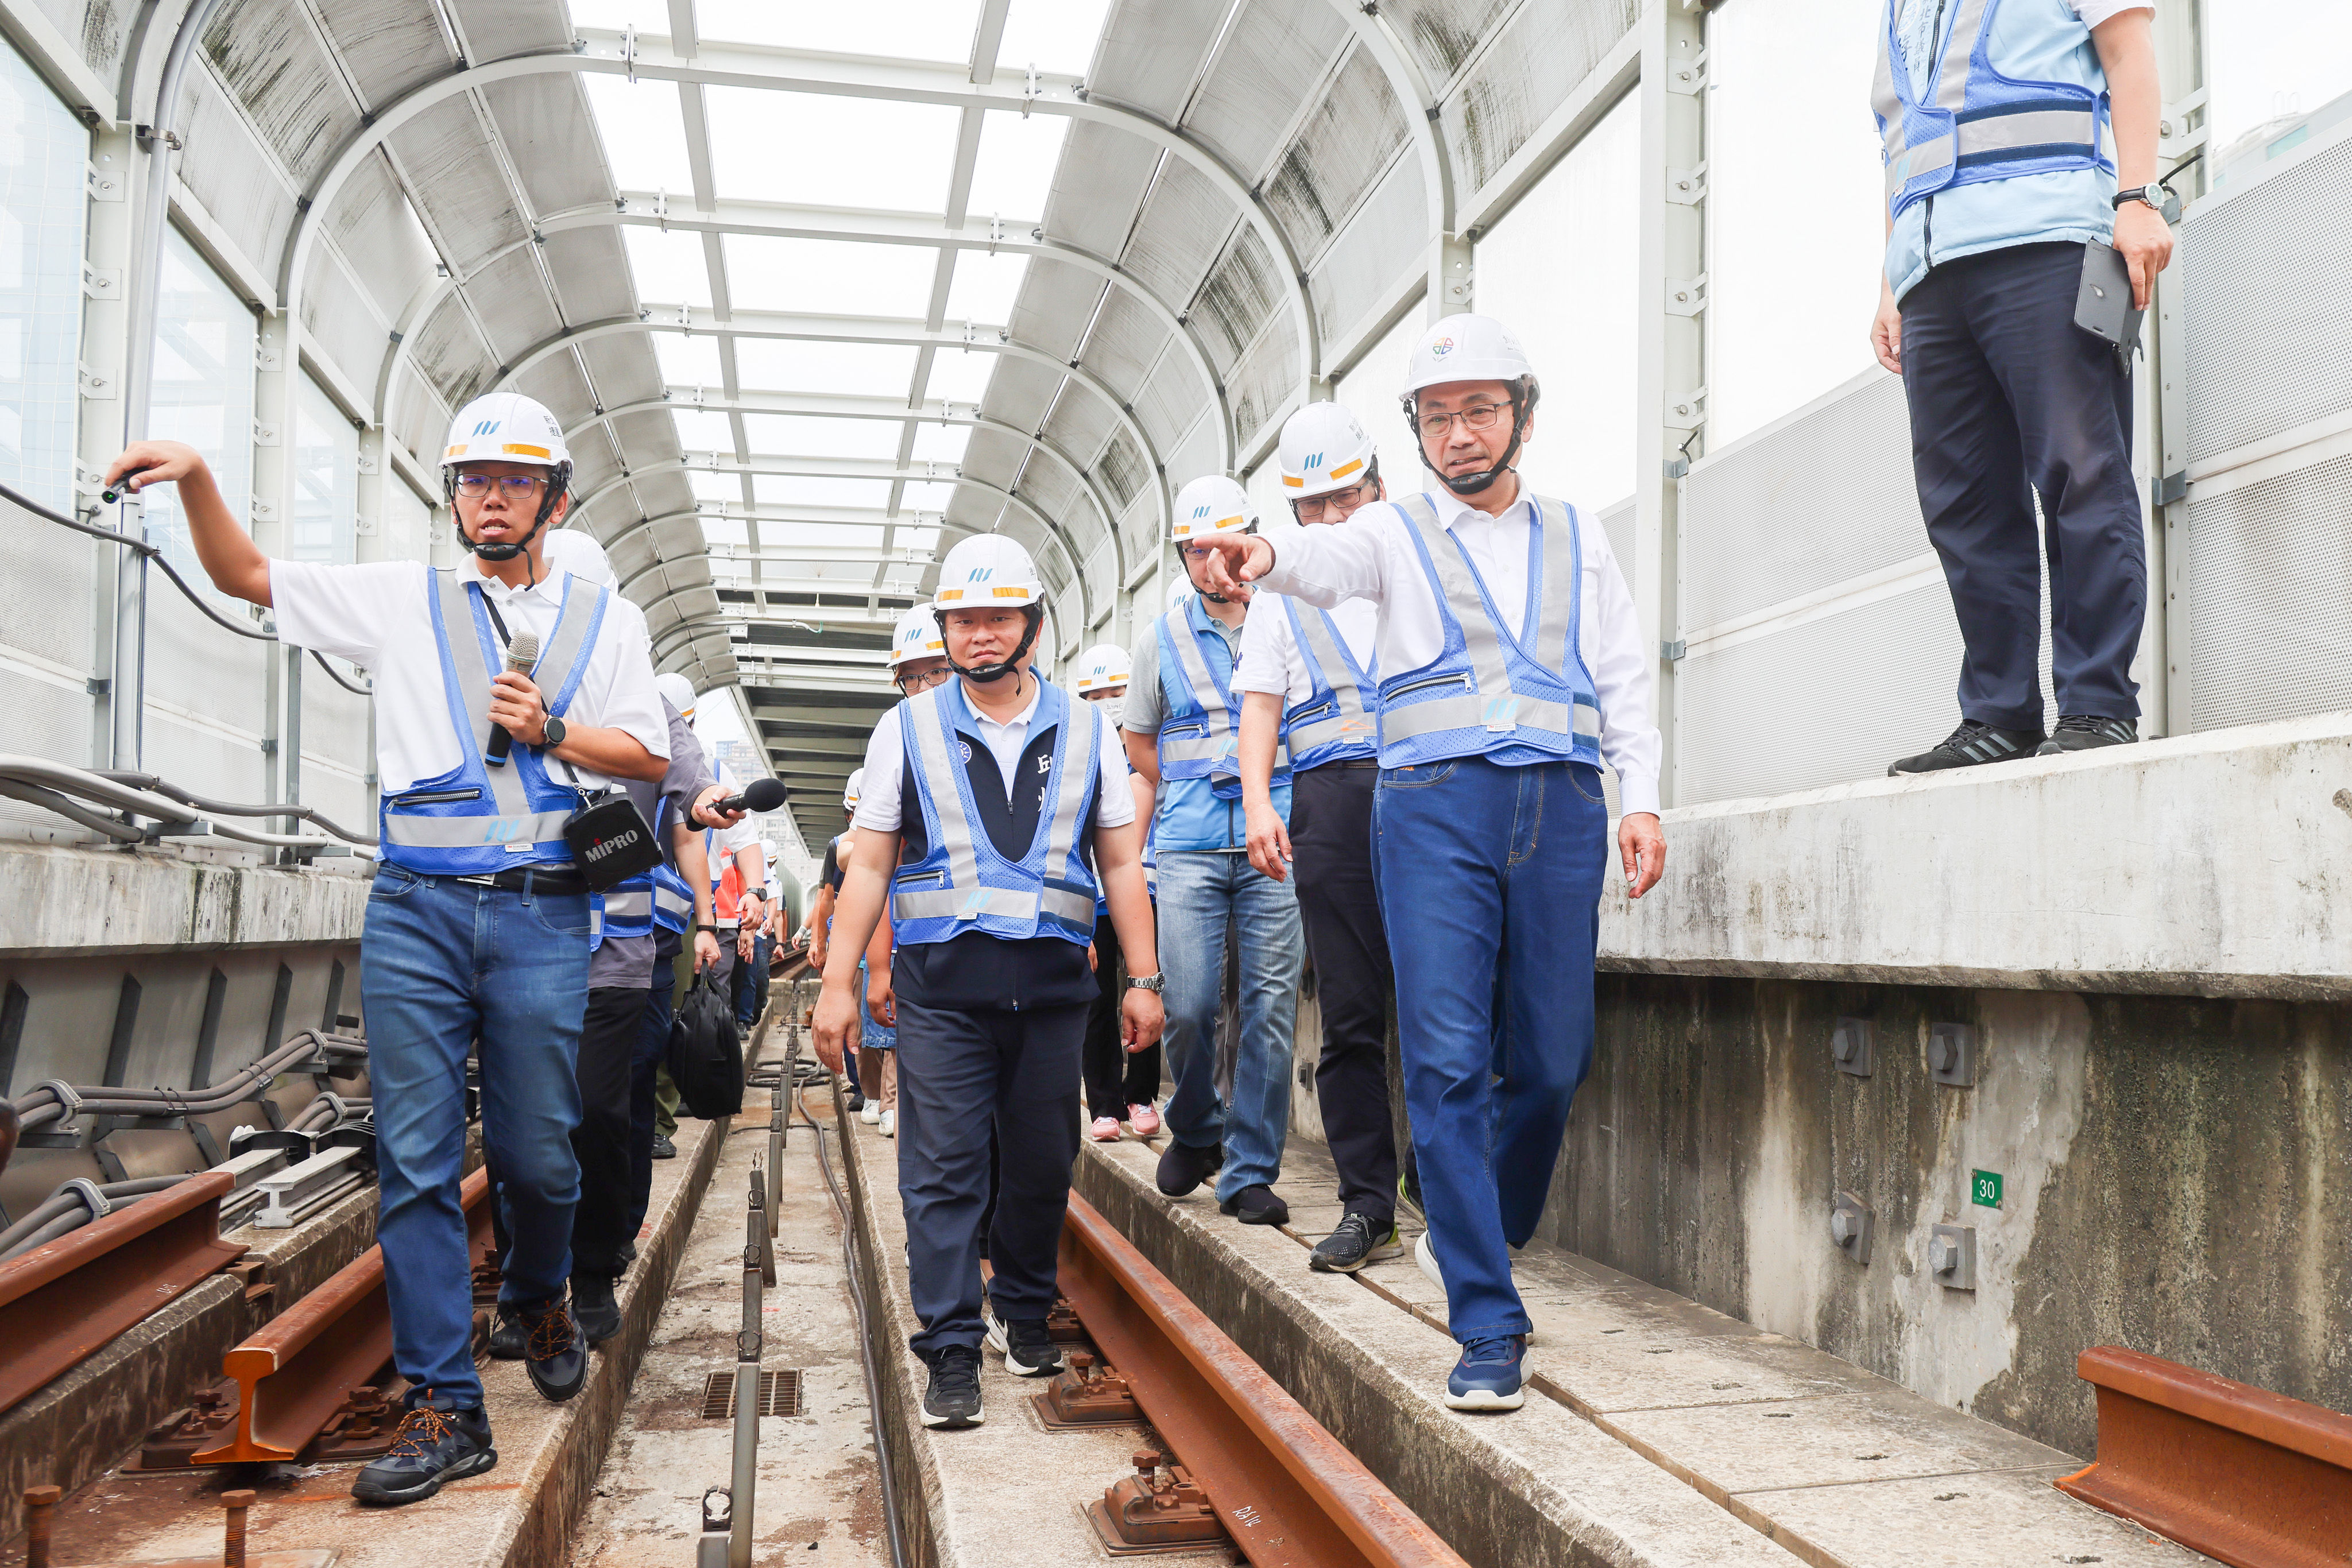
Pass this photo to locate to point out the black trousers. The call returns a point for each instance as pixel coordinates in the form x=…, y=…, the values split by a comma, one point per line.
x=602, y=1224
x=1331, y=850
x=962, y=1076
x=2008, y=397
x=1115, y=1080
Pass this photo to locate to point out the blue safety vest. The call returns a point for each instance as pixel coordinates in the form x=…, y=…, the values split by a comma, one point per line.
x=1200, y=723
x=1488, y=693
x=962, y=883
x=1976, y=118
x=476, y=818
x=1334, y=724
x=658, y=897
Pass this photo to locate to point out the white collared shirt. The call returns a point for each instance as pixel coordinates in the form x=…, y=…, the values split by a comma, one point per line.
x=880, y=809
x=379, y=615
x=1271, y=659
x=1372, y=557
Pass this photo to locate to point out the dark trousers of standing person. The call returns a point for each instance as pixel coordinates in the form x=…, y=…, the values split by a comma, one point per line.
x=966, y=1075
x=2008, y=397
x=1339, y=907
x=645, y=1064
x=602, y=1142
x=1115, y=1079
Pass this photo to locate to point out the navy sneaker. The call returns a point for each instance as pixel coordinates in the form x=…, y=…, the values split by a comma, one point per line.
x=1184, y=1167
x=1971, y=745
x=595, y=1308
x=1257, y=1206
x=554, y=1353
x=506, y=1340
x=952, y=1397
x=2087, y=732
x=1361, y=1239
x=429, y=1447
x=1490, y=1374
x=1028, y=1350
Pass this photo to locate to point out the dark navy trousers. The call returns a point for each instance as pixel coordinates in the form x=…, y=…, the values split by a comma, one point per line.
x=2009, y=397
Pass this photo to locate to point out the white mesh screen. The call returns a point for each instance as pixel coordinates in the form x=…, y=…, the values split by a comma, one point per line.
x=2267, y=351
x=1617, y=523
x=2270, y=601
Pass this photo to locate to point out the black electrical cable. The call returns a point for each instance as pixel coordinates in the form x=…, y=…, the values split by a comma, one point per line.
x=152, y=785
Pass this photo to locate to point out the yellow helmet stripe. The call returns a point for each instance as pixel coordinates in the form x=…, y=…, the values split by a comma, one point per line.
x=518, y=449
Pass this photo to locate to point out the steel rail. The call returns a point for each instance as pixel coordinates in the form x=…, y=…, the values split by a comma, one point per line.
x=292, y=1377
x=63, y=1300
x=2246, y=1476
x=1287, y=1491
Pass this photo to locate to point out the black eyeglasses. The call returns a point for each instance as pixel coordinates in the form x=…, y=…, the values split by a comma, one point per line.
x=1310, y=509
x=924, y=682
x=1477, y=416
x=513, y=486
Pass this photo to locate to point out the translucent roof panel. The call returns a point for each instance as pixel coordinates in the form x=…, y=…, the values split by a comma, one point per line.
x=929, y=495
x=710, y=486
x=941, y=443
x=1014, y=173
x=670, y=268
x=644, y=135
x=835, y=277
x=845, y=536
x=1052, y=35
x=807, y=490
x=985, y=286
x=686, y=360
x=904, y=151
x=807, y=435
x=960, y=376
x=879, y=369
x=699, y=430
x=912, y=29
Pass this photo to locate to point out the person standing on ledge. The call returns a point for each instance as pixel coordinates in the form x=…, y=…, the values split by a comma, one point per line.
x=1995, y=122
x=478, y=923
x=1511, y=664
x=994, y=807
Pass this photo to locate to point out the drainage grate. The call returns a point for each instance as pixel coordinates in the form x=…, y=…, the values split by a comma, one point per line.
x=780, y=1394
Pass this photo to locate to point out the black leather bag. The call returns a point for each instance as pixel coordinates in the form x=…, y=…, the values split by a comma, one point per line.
x=706, y=1056
x=610, y=841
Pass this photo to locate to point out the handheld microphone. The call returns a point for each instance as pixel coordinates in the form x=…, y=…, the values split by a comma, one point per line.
x=521, y=654
x=122, y=487
x=760, y=795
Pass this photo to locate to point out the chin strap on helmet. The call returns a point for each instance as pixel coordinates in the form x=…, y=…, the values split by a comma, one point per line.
x=559, y=481
x=988, y=674
x=1523, y=403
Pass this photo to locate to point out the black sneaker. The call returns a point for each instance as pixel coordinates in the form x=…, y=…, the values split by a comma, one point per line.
x=1361, y=1239
x=506, y=1340
x=1184, y=1167
x=1257, y=1206
x=952, y=1397
x=629, y=1253
x=1970, y=746
x=663, y=1148
x=1027, y=1349
x=429, y=1447
x=594, y=1308
x=554, y=1352
x=2087, y=732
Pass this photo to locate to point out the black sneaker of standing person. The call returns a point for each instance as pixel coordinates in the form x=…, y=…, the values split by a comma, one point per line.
x=2087, y=732
x=428, y=1447
x=1361, y=1239
x=1970, y=746
x=1257, y=1206
x=1027, y=1349
x=952, y=1397
x=594, y=1308
x=507, y=1338
x=554, y=1352
x=663, y=1148
x=1184, y=1167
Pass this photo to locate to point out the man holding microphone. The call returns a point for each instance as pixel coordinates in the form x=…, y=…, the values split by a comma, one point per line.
x=478, y=923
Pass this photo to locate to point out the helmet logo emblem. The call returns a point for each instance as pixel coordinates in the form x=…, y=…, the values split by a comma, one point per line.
x=487, y=427
x=982, y=574
x=1314, y=460
x=1441, y=347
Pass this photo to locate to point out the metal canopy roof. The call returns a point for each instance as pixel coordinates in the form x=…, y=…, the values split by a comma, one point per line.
x=434, y=190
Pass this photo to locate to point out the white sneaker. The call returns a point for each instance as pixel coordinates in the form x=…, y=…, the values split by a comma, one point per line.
x=872, y=1113
x=1426, y=1257
x=889, y=1125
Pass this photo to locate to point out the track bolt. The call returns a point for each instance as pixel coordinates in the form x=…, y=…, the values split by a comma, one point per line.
x=233, y=1549
x=38, y=1503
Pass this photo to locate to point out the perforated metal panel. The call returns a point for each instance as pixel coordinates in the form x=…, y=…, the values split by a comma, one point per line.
x=2267, y=351
x=2270, y=603
x=1821, y=499
x=1617, y=523
x=1538, y=59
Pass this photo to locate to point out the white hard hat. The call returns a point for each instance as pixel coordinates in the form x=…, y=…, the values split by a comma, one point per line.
x=1466, y=348
x=1323, y=448
x=674, y=688
x=571, y=550
x=987, y=570
x=850, y=792
x=1178, y=592
x=505, y=427
x=917, y=636
x=1103, y=666
x=1213, y=503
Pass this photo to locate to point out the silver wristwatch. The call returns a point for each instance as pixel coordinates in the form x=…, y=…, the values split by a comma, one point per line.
x=1147, y=982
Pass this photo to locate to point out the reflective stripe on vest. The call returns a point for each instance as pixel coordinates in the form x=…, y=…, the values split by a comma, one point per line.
x=477, y=818
x=1333, y=725
x=673, y=900
x=1200, y=734
x=963, y=883
x=1486, y=693
x=1977, y=123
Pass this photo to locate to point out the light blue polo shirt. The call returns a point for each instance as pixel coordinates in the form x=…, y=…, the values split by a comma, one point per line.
x=1189, y=815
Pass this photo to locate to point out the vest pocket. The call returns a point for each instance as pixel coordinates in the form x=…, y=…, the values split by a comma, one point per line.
x=435, y=796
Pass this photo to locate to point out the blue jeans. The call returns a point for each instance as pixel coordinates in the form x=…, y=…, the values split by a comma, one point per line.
x=748, y=981
x=443, y=962
x=873, y=1034
x=1199, y=889
x=1490, y=882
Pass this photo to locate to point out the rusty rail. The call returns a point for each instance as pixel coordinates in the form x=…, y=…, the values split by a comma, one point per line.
x=64, y=1299
x=2243, y=1475
x=295, y=1374
x=1289, y=1493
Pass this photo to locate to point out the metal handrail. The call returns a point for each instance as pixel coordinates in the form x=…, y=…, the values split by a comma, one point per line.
x=44, y=783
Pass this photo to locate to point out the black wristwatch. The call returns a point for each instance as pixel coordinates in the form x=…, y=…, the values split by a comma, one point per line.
x=554, y=731
x=1147, y=982
x=2154, y=195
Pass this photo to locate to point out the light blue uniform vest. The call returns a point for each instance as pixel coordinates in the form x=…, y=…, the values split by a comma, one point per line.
x=1200, y=723
x=1976, y=118
x=1514, y=697
x=476, y=818
x=963, y=883
x=1336, y=722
